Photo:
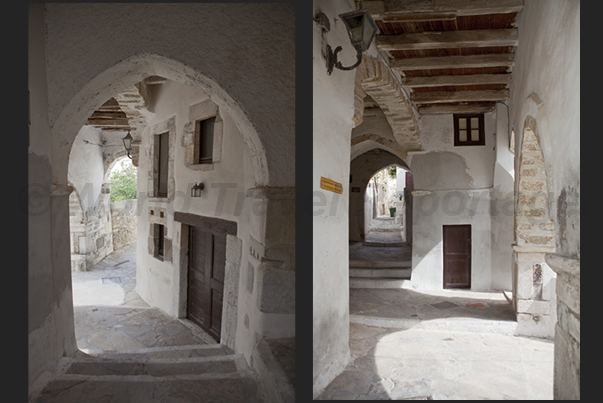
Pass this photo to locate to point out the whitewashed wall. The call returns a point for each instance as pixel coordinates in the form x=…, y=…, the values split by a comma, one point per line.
x=452, y=186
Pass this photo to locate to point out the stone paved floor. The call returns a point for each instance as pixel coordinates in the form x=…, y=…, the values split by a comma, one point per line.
x=394, y=364
x=429, y=305
x=110, y=282
x=131, y=352
x=111, y=316
x=411, y=362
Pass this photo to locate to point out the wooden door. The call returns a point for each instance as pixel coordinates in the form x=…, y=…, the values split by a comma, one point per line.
x=207, y=261
x=457, y=256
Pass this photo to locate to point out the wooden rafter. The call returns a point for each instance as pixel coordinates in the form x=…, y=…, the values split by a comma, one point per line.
x=449, y=39
x=459, y=108
x=459, y=96
x=471, y=79
x=399, y=8
x=453, y=62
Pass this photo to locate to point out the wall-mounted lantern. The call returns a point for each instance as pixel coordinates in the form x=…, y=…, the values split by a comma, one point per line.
x=196, y=189
x=128, y=143
x=361, y=30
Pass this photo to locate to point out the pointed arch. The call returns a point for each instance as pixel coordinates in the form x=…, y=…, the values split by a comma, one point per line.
x=534, y=282
x=124, y=75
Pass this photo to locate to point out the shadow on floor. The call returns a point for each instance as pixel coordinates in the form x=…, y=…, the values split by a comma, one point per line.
x=451, y=361
x=394, y=364
x=412, y=304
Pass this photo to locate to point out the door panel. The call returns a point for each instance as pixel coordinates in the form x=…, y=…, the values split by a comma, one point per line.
x=207, y=261
x=457, y=256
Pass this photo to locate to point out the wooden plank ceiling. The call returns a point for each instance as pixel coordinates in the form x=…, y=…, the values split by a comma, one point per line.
x=110, y=117
x=121, y=113
x=454, y=56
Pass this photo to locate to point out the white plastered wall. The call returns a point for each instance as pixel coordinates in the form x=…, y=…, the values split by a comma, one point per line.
x=159, y=282
x=333, y=109
x=452, y=186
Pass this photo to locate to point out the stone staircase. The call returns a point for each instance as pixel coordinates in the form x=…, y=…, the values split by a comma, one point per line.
x=208, y=373
x=379, y=273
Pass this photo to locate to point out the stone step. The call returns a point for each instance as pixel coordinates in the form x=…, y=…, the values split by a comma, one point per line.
x=384, y=244
x=190, y=351
x=385, y=228
x=377, y=264
x=396, y=283
x=403, y=273
x=240, y=386
x=155, y=367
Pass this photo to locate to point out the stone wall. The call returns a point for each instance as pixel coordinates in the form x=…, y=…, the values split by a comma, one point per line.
x=123, y=217
x=99, y=230
x=91, y=236
x=546, y=90
x=452, y=186
x=534, y=295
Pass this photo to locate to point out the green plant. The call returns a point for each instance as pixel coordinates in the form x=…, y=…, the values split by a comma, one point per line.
x=392, y=172
x=123, y=183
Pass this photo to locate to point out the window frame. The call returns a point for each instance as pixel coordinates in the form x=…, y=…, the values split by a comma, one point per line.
x=468, y=116
x=165, y=166
x=200, y=133
x=159, y=231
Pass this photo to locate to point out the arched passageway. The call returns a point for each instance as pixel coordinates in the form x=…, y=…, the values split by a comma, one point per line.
x=362, y=169
x=256, y=163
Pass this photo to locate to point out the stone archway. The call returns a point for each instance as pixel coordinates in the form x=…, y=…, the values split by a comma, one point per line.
x=275, y=243
x=124, y=75
x=534, y=294
x=362, y=169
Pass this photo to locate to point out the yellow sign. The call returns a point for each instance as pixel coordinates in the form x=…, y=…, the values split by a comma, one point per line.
x=331, y=185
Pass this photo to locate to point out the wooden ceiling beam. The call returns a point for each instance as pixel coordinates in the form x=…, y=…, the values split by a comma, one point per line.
x=452, y=62
x=108, y=122
x=450, y=109
x=473, y=79
x=449, y=39
x=108, y=115
x=398, y=8
x=459, y=96
x=419, y=17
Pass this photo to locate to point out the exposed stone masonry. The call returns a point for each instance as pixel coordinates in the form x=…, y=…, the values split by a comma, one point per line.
x=535, y=236
x=91, y=231
x=379, y=82
x=123, y=216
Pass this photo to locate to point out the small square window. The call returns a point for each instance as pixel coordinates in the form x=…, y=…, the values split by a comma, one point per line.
x=204, y=141
x=469, y=130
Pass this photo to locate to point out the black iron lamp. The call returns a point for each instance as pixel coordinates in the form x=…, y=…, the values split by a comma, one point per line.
x=128, y=143
x=361, y=29
x=196, y=189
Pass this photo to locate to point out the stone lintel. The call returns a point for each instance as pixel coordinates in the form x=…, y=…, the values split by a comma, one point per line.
x=532, y=249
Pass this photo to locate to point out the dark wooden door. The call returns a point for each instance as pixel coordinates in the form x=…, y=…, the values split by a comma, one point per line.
x=207, y=261
x=457, y=256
